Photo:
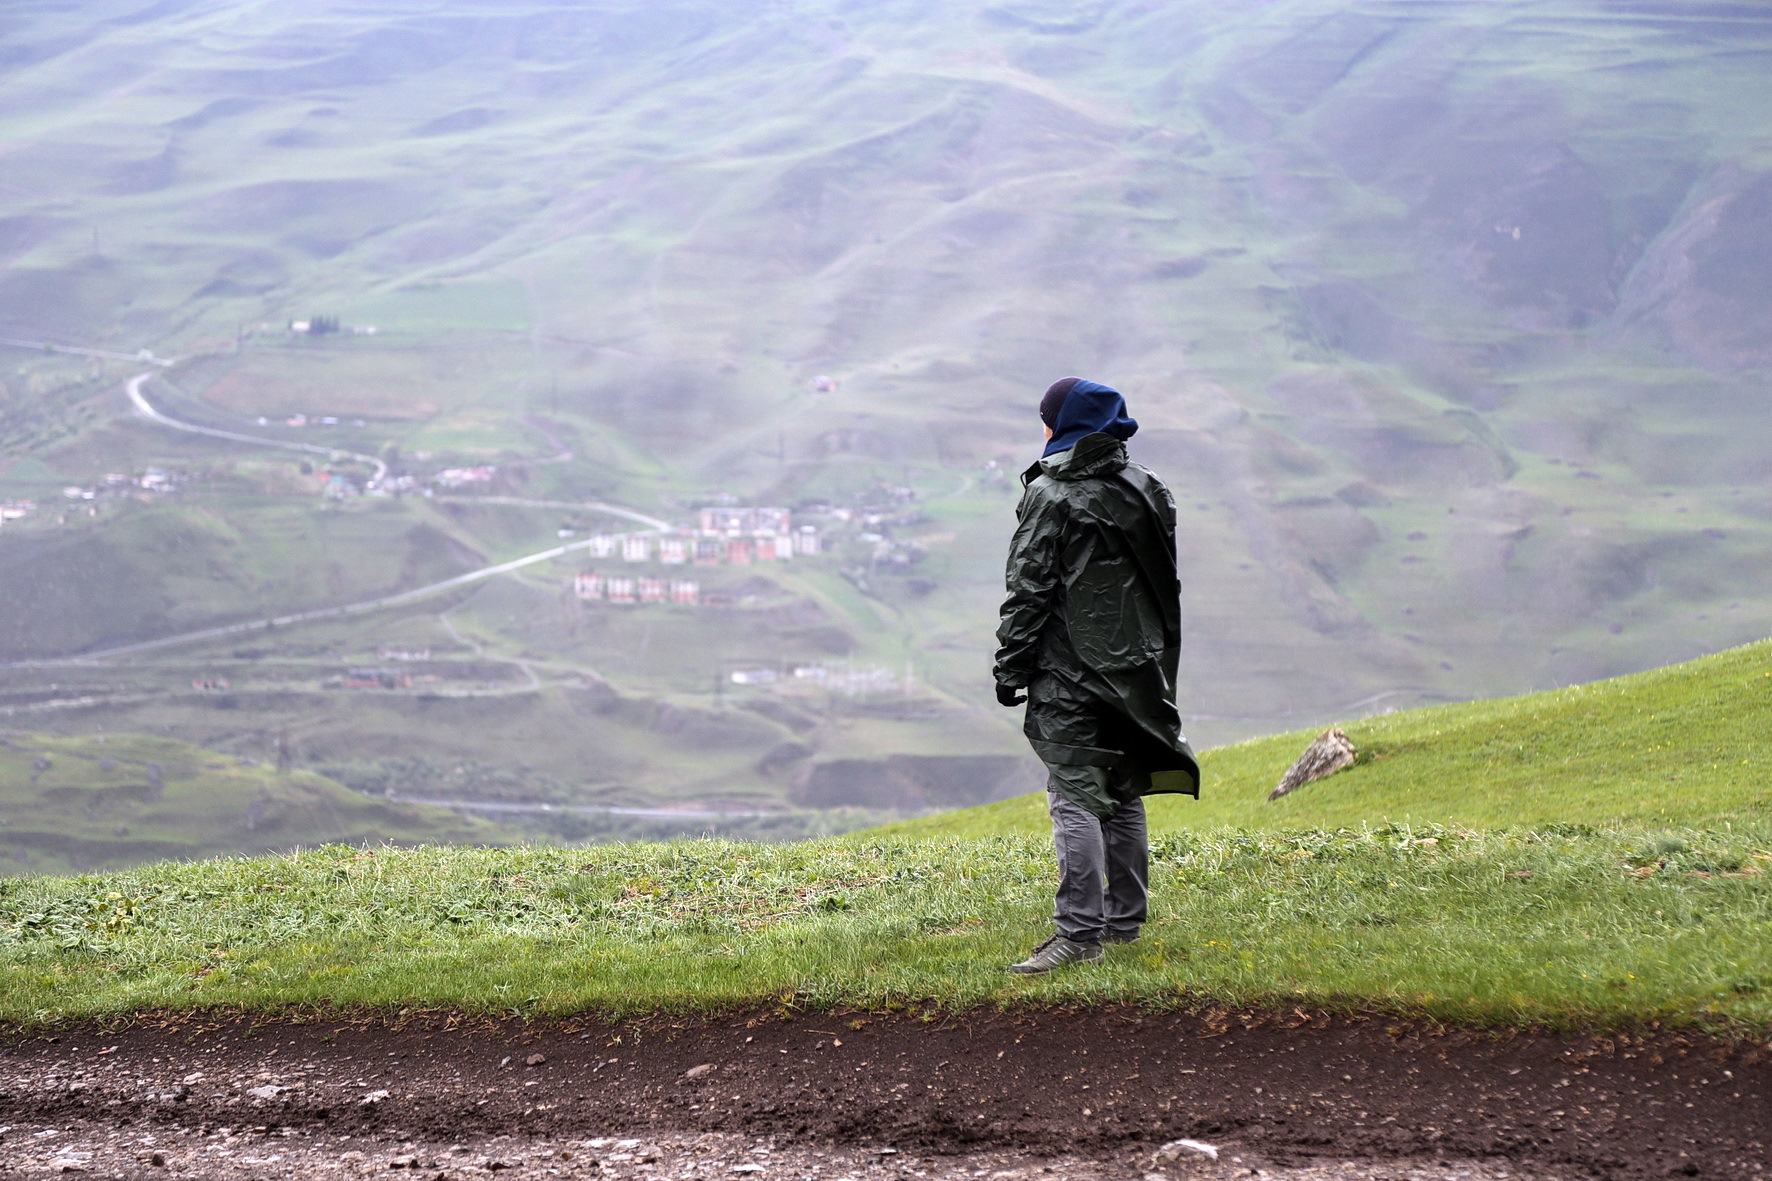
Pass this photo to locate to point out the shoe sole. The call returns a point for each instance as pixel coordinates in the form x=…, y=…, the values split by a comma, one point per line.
x=1018, y=970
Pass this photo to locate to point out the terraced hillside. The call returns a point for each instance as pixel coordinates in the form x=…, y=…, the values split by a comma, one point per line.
x=1447, y=323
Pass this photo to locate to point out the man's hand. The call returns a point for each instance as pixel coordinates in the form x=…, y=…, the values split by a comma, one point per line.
x=1010, y=694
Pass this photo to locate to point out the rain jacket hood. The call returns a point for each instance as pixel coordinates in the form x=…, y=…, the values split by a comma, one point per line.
x=1092, y=626
x=1090, y=408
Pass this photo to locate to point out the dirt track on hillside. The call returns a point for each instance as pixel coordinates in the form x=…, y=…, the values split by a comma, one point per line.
x=1079, y=1094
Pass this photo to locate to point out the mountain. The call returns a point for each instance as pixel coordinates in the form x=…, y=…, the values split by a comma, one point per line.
x=1448, y=324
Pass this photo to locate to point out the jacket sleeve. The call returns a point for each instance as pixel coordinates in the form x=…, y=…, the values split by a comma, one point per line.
x=1035, y=585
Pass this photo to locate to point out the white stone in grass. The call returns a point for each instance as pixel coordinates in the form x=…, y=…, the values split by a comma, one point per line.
x=270, y=1091
x=1187, y=1150
x=706, y=1068
x=747, y=1168
x=371, y=1099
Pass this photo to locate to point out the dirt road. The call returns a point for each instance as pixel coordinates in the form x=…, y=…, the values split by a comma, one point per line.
x=1037, y=1094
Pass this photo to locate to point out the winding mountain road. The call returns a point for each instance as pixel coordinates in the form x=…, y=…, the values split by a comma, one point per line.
x=145, y=409
x=265, y=625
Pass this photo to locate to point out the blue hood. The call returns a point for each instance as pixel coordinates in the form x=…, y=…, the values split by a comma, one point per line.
x=1090, y=409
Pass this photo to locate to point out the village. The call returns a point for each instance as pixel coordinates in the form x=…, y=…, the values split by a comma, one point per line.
x=725, y=537
x=145, y=486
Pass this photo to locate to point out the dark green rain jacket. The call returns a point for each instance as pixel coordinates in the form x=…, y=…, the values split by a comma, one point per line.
x=1092, y=627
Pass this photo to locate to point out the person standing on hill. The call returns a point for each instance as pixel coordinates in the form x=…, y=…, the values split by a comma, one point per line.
x=1090, y=641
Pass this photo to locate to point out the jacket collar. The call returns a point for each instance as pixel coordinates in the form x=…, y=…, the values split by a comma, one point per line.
x=1094, y=455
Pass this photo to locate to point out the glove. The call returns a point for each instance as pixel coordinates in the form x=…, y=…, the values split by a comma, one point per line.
x=1010, y=694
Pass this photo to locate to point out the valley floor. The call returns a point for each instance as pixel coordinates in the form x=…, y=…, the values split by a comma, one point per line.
x=855, y=1096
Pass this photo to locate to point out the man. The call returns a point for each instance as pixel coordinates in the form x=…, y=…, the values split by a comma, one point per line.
x=1090, y=639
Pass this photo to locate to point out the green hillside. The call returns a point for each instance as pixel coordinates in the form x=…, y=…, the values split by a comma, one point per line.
x=1684, y=747
x=71, y=804
x=1446, y=322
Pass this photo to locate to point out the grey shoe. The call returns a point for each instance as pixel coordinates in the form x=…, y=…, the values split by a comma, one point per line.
x=1112, y=936
x=1056, y=952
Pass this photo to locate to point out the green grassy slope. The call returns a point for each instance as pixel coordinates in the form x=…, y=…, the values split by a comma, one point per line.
x=1685, y=745
x=84, y=803
x=1581, y=930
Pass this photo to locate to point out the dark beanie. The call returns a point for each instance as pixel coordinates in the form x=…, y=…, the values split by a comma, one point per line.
x=1053, y=401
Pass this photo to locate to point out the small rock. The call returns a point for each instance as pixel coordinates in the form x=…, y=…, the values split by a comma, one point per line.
x=505, y=1061
x=158, y=1160
x=747, y=1168
x=885, y=1152
x=266, y=1092
x=371, y=1099
x=535, y=1059
x=702, y=1071
x=1187, y=1149
x=68, y=1166
x=403, y=1162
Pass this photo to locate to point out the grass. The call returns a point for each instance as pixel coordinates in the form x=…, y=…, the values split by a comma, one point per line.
x=1684, y=745
x=1575, y=929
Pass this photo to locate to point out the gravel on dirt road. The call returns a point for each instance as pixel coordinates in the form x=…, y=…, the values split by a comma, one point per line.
x=98, y=1150
x=816, y=1095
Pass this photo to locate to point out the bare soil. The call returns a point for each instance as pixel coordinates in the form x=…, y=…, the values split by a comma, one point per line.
x=857, y=1097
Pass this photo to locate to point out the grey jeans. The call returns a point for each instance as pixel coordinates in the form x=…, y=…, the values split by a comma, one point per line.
x=1103, y=870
